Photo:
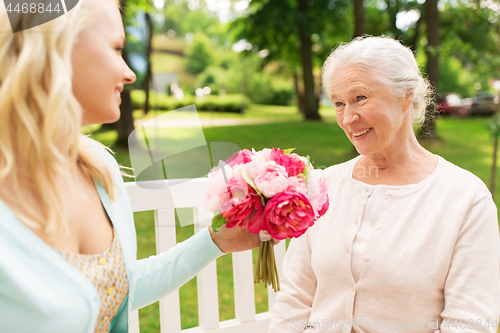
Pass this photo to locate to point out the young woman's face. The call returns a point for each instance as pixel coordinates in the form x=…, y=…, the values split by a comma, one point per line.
x=99, y=71
x=371, y=116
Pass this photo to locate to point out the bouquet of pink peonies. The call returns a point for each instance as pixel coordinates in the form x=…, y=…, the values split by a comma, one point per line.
x=273, y=193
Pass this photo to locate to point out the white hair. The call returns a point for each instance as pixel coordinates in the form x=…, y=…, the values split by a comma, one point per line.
x=391, y=63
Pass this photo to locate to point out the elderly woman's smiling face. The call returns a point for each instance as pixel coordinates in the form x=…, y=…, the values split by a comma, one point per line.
x=369, y=113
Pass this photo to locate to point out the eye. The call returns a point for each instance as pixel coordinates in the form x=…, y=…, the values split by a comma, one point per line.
x=339, y=104
x=360, y=98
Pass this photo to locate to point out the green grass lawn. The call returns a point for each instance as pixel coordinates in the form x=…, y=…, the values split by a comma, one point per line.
x=465, y=142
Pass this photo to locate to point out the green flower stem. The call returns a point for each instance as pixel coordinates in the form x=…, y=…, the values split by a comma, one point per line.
x=257, y=270
x=266, y=270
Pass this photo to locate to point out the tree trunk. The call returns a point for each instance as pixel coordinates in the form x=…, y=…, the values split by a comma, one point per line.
x=359, y=18
x=149, y=72
x=494, y=167
x=432, y=52
x=317, y=90
x=416, y=34
x=125, y=125
x=393, y=10
x=311, y=110
x=300, y=94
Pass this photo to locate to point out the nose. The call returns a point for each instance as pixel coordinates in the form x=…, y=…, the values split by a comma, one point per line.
x=129, y=75
x=350, y=117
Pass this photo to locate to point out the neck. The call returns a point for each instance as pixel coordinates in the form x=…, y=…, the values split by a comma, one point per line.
x=403, y=152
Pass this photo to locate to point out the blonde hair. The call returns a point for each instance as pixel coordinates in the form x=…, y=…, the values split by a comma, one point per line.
x=40, y=118
x=391, y=63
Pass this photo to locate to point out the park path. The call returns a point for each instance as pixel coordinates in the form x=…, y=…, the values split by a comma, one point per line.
x=206, y=122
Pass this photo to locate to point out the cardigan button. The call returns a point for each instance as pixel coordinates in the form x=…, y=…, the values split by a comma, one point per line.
x=378, y=227
x=366, y=258
x=389, y=193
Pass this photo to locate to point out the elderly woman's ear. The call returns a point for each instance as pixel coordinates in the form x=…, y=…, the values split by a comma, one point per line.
x=407, y=102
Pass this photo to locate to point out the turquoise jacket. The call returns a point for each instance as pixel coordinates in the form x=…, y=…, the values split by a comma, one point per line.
x=40, y=292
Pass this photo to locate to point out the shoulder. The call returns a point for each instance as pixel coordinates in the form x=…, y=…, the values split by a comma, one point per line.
x=341, y=170
x=101, y=151
x=459, y=179
x=105, y=155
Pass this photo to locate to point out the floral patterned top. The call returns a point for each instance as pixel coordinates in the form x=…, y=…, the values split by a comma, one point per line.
x=107, y=273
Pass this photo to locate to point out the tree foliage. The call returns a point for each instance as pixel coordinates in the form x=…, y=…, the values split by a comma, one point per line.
x=125, y=125
x=199, y=54
x=290, y=30
x=470, y=34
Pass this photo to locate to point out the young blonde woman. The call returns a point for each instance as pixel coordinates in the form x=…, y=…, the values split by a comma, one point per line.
x=67, y=237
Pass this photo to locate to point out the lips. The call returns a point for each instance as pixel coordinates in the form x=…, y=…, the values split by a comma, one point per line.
x=118, y=91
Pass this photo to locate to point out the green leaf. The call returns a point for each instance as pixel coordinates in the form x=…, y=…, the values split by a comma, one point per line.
x=217, y=222
x=252, y=184
x=288, y=151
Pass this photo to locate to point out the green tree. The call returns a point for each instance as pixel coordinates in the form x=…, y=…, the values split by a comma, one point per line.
x=470, y=35
x=286, y=27
x=199, y=54
x=125, y=125
x=183, y=19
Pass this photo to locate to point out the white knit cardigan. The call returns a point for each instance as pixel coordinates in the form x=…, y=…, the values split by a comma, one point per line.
x=431, y=264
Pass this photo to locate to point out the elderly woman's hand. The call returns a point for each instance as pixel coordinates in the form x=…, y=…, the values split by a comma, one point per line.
x=235, y=239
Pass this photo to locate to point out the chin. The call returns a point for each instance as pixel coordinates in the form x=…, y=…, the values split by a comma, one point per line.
x=362, y=150
x=113, y=116
x=107, y=120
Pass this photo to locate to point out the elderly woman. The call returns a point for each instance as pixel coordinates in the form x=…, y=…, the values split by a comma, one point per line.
x=410, y=242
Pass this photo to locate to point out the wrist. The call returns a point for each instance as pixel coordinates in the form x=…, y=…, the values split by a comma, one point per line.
x=216, y=239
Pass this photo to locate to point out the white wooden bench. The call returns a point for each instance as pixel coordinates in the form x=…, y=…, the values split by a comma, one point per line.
x=155, y=196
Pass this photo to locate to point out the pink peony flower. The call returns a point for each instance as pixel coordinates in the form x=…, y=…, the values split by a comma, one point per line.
x=288, y=214
x=263, y=155
x=318, y=192
x=293, y=163
x=217, y=187
x=273, y=180
x=234, y=193
x=247, y=212
x=324, y=208
x=291, y=205
x=242, y=157
x=255, y=168
x=297, y=184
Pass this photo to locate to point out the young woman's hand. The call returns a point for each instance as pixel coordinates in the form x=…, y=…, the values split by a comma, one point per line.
x=235, y=239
